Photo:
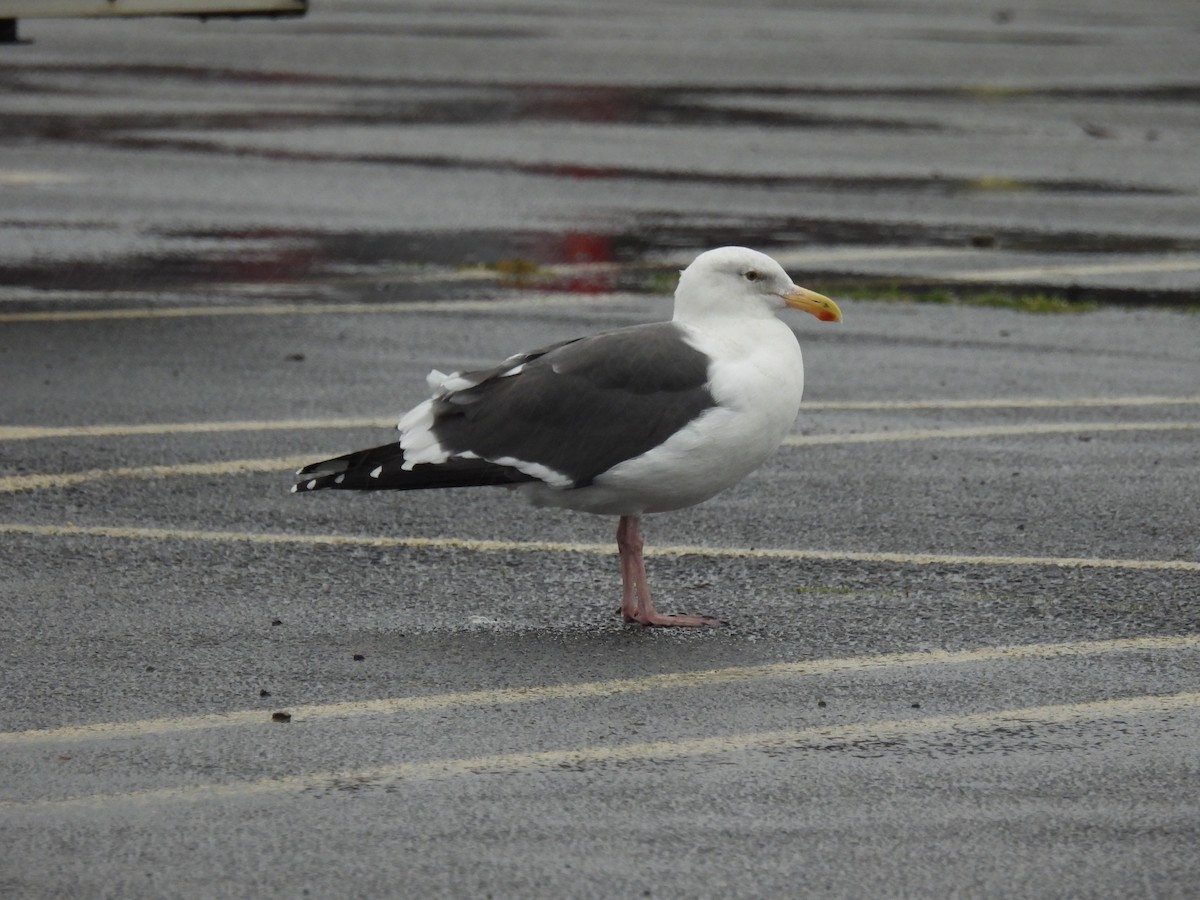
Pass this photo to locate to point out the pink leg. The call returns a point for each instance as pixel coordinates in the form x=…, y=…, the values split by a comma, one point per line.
x=631, y=566
x=635, y=592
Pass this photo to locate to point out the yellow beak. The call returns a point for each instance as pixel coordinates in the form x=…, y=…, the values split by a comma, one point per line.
x=812, y=302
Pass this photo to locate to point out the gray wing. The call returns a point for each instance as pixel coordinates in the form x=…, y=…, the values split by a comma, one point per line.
x=582, y=406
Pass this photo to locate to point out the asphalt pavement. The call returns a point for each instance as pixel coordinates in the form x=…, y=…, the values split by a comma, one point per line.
x=963, y=656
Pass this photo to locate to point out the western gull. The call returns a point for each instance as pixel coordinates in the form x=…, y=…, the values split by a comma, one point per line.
x=644, y=419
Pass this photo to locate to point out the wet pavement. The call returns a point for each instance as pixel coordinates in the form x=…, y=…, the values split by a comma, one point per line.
x=1062, y=139
x=964, y=657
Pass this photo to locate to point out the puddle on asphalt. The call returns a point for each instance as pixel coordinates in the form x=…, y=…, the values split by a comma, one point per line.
x=386, y=266
x=280, y=257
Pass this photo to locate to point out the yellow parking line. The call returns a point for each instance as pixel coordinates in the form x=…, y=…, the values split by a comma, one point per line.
x=1003, y=403
x=38, y=432
x=577, y=690
x=117, y=532
x=1115, y=268
x=1027, y=429
x=791, y=740
x=280, y=464
x=11, y=177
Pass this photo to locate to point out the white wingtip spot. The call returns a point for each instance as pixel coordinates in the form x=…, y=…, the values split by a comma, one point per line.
x=339, y=479
x=375, y=471
x=295, y=488
x=312, y=484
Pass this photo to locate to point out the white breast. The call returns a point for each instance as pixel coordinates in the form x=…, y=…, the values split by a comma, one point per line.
x=756, y=378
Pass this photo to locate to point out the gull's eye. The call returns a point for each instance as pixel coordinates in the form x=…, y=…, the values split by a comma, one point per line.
x=751, y=275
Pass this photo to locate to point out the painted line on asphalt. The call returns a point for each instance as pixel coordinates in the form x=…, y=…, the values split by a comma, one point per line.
x=1025, y=430
x=39, y=432
x=1003, y=403
x=791, y=740
x=45, y=481
x=118, y=532
x=577, y=690
x=1079, y=270
x=280, y=464
x=18, y=178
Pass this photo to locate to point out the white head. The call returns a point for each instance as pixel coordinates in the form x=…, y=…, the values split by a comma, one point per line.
x=738, y=281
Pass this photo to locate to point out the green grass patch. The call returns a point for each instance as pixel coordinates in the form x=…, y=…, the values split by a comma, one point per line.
x=662, y=281
x=515, y=268
x=1040, y=302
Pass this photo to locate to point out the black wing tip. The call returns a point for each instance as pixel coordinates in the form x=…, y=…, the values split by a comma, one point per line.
x=332, y=473
x=324, y=467
x=394, y=477
x=316, y=484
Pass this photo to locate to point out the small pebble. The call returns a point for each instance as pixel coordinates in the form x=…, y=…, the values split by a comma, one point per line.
x=149, y=668
x=277, y=621
x=916, y=706
x=358, y=657
x=264, y=693
x=821, y=703
x=281, y=717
